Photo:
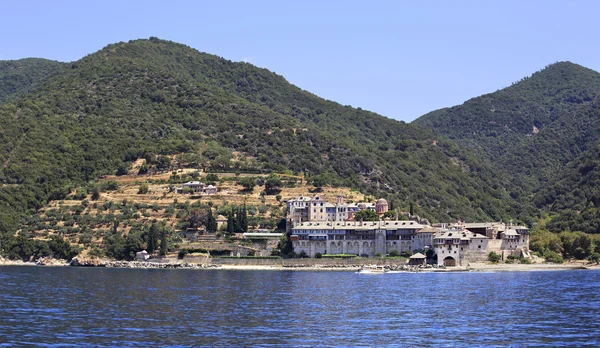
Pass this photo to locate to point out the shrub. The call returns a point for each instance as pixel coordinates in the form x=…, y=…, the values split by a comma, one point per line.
x=493, y=257
x=394, y=253
x=554, y=257
x=181, y=254
x=594, y=258
x=143, y=189
x=318, y=255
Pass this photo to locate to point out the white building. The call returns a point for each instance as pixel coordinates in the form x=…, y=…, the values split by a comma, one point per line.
x=457, y=247
x=356, y=237
x=197, y=187
x=515, y=241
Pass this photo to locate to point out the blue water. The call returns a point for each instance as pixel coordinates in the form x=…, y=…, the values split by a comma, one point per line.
x=117, y=307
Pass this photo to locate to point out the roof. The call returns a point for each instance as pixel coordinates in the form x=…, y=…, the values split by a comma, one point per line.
x=357, y=225
x=261, y=235
x=510, y=232
x=361, y=204
x=479, y=224
x=299, y=199
x=430, y=229
x=417, y=256
x=381, y=201
x=193, y=183
x=459, y=234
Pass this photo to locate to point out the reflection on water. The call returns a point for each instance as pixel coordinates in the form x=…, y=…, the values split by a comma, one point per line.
x=115, y=307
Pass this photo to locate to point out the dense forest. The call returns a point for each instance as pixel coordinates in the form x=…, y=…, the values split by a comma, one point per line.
x=157, y=97
x=497, y=157
x=17, y=77
x=542, y=133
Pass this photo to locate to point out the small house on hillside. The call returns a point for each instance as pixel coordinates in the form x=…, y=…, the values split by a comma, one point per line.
x=197, y=187
x=142, y=255
x=221, y=220
x=192, y=233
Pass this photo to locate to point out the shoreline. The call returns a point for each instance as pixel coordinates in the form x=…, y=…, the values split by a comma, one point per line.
x=396, y=267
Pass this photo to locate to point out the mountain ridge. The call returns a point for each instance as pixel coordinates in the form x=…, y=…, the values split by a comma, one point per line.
x=17, y=77
x=152, y=97
x=550, y=120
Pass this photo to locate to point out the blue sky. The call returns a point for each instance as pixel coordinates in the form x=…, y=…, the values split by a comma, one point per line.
x=401, y=59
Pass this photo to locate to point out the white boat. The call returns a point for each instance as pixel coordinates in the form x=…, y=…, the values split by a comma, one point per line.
x=372, y=269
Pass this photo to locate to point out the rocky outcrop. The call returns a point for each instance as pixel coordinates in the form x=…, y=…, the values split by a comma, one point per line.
x=48, y=261
x=77, y=262
x=144, y=264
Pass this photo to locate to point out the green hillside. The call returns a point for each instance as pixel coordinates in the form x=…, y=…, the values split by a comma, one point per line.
x=495, y=123
x=152, y=97
x=543, y=163
x=576, y=196
x=20, y=76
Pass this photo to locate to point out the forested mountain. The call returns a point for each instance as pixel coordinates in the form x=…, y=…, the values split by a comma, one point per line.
x=153, y=97
x=542, y=132
x=576, y=195
x=495, y=123
x=19, y=76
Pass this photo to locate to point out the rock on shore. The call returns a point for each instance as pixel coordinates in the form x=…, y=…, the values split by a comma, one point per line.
x=142, y=264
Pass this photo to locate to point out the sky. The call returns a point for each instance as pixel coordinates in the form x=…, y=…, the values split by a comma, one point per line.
x=400, y=59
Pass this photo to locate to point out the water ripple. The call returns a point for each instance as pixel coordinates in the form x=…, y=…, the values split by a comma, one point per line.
x=54, y=307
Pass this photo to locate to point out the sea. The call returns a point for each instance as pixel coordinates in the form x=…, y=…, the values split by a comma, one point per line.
x=100, y=307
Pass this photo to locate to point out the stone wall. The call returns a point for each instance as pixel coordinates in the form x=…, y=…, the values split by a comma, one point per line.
x=295, y=262
x=357, y=247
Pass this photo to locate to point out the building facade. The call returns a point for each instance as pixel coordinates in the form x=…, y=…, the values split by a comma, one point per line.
x=365, y=239
x=197, y=187
x=457, y=247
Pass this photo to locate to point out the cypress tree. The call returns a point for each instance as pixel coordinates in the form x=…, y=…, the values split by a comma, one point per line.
x=152, y=238
x=163, y=243
x=230, y=222
x=238, y=219
x=244, y=223
x=211, y=222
